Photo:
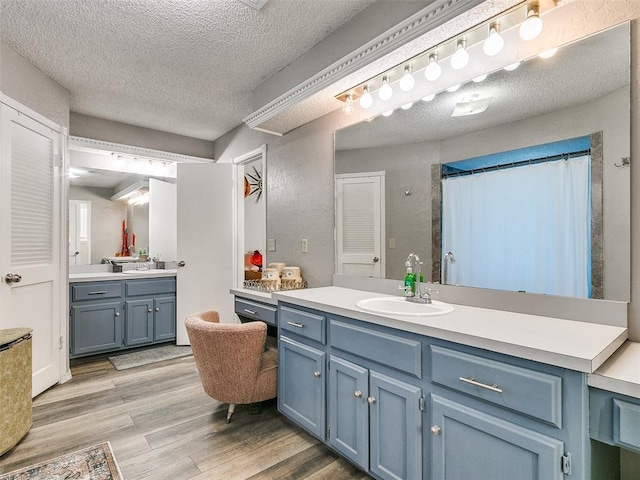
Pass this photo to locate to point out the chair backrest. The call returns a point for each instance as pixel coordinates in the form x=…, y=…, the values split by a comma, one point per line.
x=228, y=356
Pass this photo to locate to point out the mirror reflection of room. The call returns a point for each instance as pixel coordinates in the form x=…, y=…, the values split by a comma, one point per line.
x=531, y=106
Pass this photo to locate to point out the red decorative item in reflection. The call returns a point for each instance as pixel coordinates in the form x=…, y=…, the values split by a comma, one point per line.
x=256, y=259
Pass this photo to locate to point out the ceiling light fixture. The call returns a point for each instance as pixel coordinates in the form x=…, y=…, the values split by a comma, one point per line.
x=548, y=53
x=407, y=82
x=433, y=70
x=387, y=113
x=453, y=88
x=532, y=26
x=480, y=78
x=348, y=104
x=428, y=98
x=494, y=43
x=386, y=92
x=407, y=106
x=366, y=100
x=460, y=59
x=512, y=67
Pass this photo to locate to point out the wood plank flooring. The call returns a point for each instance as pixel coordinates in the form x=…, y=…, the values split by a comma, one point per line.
x=162, y=425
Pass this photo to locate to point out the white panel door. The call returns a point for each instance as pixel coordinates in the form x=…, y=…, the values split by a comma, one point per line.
x=360, y=224
x=162, y=219
x=30, y=239
x=205, y=242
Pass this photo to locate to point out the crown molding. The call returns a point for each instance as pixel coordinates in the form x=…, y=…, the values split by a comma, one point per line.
x=413, y=27
x=91, y=145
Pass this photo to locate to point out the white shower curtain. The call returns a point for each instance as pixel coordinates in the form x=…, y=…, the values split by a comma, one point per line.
x=524, y=228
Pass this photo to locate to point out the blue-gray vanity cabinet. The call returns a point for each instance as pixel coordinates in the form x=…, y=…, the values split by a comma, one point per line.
x=301, y=384
x=615, y=419
x=164, y=309
x=472, y=445
x=150, y=306
x=96, y=328
x=138, y=322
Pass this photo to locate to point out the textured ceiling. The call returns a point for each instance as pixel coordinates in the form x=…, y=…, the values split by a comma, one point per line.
x=182, y=66
x=578, y=73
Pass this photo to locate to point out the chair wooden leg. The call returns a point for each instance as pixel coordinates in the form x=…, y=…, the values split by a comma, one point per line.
x=232, y=407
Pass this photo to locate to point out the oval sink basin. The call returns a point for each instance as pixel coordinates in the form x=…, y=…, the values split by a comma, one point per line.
x=400, y=306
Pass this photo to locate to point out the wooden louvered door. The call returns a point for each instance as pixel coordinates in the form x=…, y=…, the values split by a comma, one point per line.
x=30, y=260
x=360, y=224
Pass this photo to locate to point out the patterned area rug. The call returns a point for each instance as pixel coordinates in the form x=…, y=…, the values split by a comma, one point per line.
x=93, y=463
x=151, y=355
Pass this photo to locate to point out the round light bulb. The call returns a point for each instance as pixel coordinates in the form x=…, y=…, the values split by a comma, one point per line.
x=512, y=67
x=387, y=113
x=532, y=26
x=348, y=105
x=407, y=106
x=366, y=100
x=480, y=78
x=407, y=82
x=433, y=70
x=460, y=59
x=428, y=98
x=548, y=53
x=494, y=44
x=385, y=92
x=453, y=88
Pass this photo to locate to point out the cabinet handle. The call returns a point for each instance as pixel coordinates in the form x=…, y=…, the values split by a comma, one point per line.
x=371, y=400
x=101, y=292
x=157, y=309
x=250, y=312
x=357, y=394
x=316, y=374
x=150, y=311
x=117, y=314
x=435, y=430
x=472, y=381
x=296, y=324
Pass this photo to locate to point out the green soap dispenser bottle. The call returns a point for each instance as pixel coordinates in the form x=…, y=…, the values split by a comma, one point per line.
x=409, y=281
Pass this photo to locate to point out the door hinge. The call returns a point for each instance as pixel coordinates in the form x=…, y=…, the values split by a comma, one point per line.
x=328, y=432
x=328, y=364
x=57, y=160
x=61, y=344
x=421, y=404
x=566, y=464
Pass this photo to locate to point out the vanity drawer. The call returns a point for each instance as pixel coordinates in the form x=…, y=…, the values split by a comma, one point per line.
x=303, y=323
x=533, y=393
x=626, y=424
x=150, y=287
x=256, y=311
x=390, y=350
x=96, y=291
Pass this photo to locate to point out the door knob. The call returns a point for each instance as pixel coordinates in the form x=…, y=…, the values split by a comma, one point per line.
x=357, y=394
x=435, y=430
x=12, y=278
x=316, y=373
x=371, y=400
x=150, y=311
x=157, y=309
x=181, y=263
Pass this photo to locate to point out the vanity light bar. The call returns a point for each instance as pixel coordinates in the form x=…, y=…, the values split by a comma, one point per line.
x=481, y=33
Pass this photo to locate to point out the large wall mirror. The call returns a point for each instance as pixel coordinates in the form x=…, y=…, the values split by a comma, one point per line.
x=396, y=162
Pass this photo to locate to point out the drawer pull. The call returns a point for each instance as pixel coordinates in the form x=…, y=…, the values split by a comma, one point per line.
x=296, y=324
x=100, y=292
x=472, y=381
x=250, y=312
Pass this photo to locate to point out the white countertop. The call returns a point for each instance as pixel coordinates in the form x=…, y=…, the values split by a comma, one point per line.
x=570, y=344
x=100, y=276
x=263, y=297
x=621, y=372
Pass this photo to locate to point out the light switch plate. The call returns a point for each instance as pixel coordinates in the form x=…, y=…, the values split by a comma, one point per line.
x=305, y=245
x=392, y=243
x=271, y=245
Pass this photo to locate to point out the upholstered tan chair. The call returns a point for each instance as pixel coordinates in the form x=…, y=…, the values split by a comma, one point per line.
x=231, y=359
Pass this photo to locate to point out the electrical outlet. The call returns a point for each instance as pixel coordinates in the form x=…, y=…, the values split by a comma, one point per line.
x=271, y=245
x=305, y=245
x=392, y=243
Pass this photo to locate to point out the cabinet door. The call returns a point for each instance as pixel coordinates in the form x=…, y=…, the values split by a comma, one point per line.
x=164, y=309
x=471, y=445
x=139, y=322
x=349, y=411
x=96, y=328
x=395, y=428
x=301, y=385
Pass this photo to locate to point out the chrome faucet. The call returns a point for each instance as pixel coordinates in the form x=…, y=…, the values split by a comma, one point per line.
x=420, y=295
